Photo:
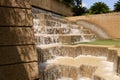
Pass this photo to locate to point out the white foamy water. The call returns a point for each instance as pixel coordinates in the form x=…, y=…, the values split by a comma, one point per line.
x=64, y=78
x=104, y=69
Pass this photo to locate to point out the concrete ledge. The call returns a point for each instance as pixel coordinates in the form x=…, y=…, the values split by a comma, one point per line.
x=15, y=3
x=52, y=5
x=26, y=71
x=16, y=54
x=15, y=17
x=16, y=35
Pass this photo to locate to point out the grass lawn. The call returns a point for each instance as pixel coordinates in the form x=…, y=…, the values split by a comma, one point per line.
x=105, y=42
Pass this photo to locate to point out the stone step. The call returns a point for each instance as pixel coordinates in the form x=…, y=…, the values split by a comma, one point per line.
x=76, y=38
x=58, y=30
x=63, y=38
x=49, y=51
x=65, y=30
x=85, y=66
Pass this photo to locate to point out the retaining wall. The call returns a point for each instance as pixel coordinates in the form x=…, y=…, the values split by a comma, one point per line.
x=52, y=5
x=18, y=57
x=110, y=22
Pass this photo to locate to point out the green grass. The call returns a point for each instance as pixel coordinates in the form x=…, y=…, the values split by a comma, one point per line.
x=115, y=42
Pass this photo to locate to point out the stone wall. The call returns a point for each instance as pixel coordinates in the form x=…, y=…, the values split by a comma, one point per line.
x=110, y=22
x=52, y=5
x=18, y=57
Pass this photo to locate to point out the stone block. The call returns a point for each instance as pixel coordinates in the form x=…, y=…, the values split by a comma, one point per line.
x=28, y=18
x=50, y=73
x=15, y=17
x=79, y=51
x=87, y=71
x=15, y=3
x=8, y=16
x=66, y=39
x=113, y=57
x=17, y=54
x=70, y=51
x=16, y=35
x=69, y=71
x=94, y=51
x=25, y=71
x=48, y=53
x=118, y=66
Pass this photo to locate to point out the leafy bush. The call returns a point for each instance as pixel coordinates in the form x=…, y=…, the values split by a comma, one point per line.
x=79, y=10
x=117, y=6
x=98, y=8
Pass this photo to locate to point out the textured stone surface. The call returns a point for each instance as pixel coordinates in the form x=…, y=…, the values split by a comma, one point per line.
x=15, y=3
x=66, y=39
x=69, y=51
x=25, y=71
x=113, y=57
x=79, y=51
x=87, y=71
x=48, y=53
x=16, y=54
x=50, y=73
x=16, y=35
x=28, y=18
x=18, y=57
x=94, y=51
x=15, y=17
x=118, y=66
x=69, y=71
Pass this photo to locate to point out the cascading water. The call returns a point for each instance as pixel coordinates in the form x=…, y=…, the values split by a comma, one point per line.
x=55, y=62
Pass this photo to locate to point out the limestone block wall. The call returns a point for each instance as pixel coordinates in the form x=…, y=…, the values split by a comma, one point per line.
x=18, y=57
x=110, y=22
x=52, y=5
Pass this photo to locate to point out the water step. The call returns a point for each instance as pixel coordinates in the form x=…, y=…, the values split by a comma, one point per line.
x=76, y=38
x=81, y=66
x=58, y=30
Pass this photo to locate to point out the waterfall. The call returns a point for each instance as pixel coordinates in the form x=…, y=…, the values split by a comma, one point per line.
x=62, y=63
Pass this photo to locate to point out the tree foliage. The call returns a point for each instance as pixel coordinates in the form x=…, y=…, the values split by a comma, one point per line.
x=79, y=10
x=76, y=6
x=117, y=6
x=98, y=8
x=67, y=2
x=77, y=2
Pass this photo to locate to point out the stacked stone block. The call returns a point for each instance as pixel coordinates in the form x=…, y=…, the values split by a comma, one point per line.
x=18, y=57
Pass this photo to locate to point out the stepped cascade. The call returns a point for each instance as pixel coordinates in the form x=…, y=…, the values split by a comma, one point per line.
x=60, y=59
